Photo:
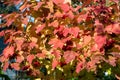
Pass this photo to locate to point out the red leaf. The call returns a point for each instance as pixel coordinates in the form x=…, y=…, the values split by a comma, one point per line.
x=56, y=43
x=116, y=28
x=54, y=64
x=66, y=31
x=19, y=42
x=9, y=21
x=67, y=39
x=82, y=17
x=19, y=59
x=91, y=65
x=70, y=14
x=15, y=66
x=113, y=28
x=67, y=1
x=74, y=31
x=97, y=22
x=87, y=39
x=100, y=41
x=38, y=6
x=32, y=45
x=65, y=7
x=109, y=29
x=57, y=54
x=25, y=20
x=59, y=29
x=112, y=60
x=94, y=48
x=54, y=23
x=69, y=56
x=79, y=67
x=40, y=55
x=39, y=28
x=30, y=58
x=23, y=6
x=33, y=42
x=58, y=1
x=2, y=58
x=2, y=33
x=8, y=51
x=5, y=66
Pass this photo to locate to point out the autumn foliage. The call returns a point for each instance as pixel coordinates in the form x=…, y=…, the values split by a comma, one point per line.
x=58, y=35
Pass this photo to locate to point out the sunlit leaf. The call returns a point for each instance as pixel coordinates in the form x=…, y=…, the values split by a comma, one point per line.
x=8, y=51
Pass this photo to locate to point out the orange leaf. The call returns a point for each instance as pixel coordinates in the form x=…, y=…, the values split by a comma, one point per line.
x=15, y=66
x=70, y=15
x=19, y=42
x=113, y=28
x=8, y=51
x=38, y=6
x=58, y=1
x=19, y=59
x=65, y=7
x=82, y=17
x=87, y=39
x=79, y=67
x=56, y=43
x=25, y=21
x=23, y=6
x=100, y=41
x=40, y=55
x=30, y=58
x=69, y=56
x=67, y=1
x=5, y=66
x=74, y=31
x=39, y=28
x=57, y=54
x=54, y=64
x=2, y=33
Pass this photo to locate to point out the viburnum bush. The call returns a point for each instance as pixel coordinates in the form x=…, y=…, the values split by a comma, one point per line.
x=61, y=38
